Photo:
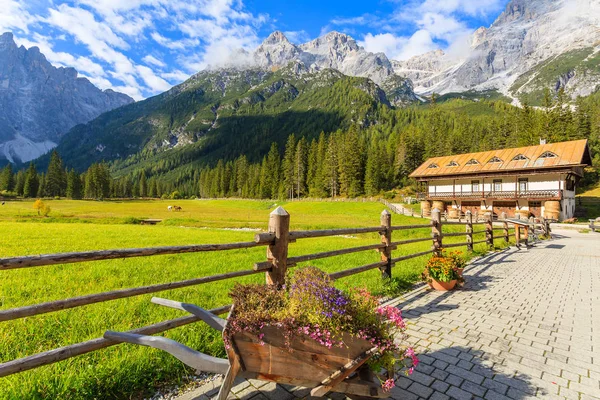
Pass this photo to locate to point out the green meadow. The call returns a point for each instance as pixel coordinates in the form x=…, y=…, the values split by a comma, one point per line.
x=127, y=371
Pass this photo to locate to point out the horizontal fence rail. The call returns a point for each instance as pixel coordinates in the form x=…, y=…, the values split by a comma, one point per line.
x=276, y=241
x=67, y=258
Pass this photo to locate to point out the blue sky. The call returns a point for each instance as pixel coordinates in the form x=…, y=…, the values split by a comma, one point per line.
x=143, y=47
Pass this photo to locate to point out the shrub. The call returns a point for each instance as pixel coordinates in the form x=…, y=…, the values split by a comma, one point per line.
x=176, y=195
x=132, y=221
x=310, y=306
x=41, y=207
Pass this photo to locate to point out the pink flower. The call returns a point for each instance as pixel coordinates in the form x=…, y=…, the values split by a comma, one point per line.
x=388, y=385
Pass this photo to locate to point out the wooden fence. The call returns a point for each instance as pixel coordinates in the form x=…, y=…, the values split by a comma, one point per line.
x=276, y=241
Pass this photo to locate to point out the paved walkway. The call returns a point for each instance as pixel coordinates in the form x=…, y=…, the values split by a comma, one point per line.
x=526, y=325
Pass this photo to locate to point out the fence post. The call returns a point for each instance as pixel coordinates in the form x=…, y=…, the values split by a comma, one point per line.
x=489, y=229
x=436, y=231
x=505, y=225
x=518, y=235
x=279, y=224
x=386, y=238
x=469, y=218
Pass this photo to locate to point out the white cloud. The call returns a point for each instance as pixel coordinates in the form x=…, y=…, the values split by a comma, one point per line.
x=14, y=16
x=398, y=47
x=438, y=24
x=297, y=37
x=151, y=60
x=102, y=38
x=176, y=76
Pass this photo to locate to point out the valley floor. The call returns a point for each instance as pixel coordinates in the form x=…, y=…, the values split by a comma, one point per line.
x=124, y=371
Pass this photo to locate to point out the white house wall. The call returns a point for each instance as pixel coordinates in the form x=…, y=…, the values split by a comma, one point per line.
x=509, y=184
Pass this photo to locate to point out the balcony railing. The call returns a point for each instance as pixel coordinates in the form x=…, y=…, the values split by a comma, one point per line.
x=512, y=195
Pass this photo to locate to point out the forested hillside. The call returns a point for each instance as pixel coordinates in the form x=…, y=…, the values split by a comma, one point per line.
x=364, y=151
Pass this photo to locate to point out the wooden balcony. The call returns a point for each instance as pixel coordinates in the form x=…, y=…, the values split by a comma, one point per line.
x=529, y=195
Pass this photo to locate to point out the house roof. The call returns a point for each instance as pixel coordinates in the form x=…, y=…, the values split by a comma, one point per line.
x=551, y=155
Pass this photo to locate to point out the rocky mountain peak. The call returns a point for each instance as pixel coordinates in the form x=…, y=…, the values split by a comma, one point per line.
x=39, y=102
x=7, y=40
x=275, y=38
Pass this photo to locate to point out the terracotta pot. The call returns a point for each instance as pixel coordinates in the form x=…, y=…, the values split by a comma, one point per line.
x=442, y=286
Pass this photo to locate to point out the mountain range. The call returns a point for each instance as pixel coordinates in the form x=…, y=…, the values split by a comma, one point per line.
x=282, y=88
x=39, y=103
x=531, y=46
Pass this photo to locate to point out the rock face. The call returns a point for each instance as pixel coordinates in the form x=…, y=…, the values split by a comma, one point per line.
x=515, y=55
x=39, y=102
x=340, y=52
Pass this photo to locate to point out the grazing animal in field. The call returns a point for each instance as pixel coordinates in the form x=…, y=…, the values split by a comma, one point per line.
x=177, y=208
x=170, y=208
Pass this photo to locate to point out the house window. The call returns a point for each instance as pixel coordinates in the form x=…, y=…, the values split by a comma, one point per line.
x=520, y=157
x=523, y=184
x=495, y=160
x=497, y=185
x=475, y=186
x=431, y=166
x=452, y=164
x=570, y=185
x=472, y=162
x=548, y=154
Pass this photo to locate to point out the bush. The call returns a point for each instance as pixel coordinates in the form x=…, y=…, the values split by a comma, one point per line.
x=175, y=195
x=132, y=221
x=41, y=207
x=309, y=306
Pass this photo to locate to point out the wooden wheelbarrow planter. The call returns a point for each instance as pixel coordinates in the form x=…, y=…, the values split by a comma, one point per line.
x=304, y=363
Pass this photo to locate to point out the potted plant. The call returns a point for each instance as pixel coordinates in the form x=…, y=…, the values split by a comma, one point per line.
x=316, y=335
x=445, y=271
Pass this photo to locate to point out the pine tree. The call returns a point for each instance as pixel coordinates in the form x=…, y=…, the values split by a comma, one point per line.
x=300, y=163
x=56, y=179
x=288, y=166
x=143, y=184
x=73, y=185
x=7, y=178
x=332, y=167
x=32, y=183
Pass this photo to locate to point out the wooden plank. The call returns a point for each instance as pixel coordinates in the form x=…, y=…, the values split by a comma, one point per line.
x=63, y=353
x=42, y=308
x=357, y=270
x=67, y=258
x=449, y=246
x=338, y=376
x=232, y=372
x=353, y=387
x=404, y=227
x=261, y=266
x=408, y=257
x=409, y=241
x=332, y=232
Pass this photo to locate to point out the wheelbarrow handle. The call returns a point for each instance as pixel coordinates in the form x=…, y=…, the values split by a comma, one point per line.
x=191, y=357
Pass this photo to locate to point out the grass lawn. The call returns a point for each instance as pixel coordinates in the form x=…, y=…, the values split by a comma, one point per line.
x=127, y=371
x=590, y=202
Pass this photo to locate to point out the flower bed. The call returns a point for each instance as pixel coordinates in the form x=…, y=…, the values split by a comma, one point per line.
x=310, y=309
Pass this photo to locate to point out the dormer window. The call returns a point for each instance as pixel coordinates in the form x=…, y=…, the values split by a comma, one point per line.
x=520, y=157
x=433, y=166
x=472, y=162
x=548, y=154
x=495, y=160
x=452, y=164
